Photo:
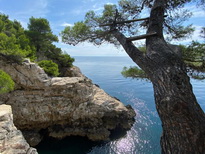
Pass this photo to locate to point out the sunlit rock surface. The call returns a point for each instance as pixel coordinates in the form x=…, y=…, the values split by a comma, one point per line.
x=62, y=106
x=11, y=139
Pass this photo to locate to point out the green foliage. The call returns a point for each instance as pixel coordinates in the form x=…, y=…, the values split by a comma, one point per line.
x=13, y=41
x=6, y=83
x=16, y=43
x=134, y=72
x=64, y=61
x=193, y=55
x=179, y=32
x=142, y=48
x=42, y=38
x=91, y=31
x=40, y=34
x=77, y=33
x=49, y=67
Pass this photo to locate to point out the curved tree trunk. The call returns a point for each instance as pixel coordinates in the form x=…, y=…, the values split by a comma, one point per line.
x=183, y=120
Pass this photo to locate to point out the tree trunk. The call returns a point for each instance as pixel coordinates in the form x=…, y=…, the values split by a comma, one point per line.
x=183, y=120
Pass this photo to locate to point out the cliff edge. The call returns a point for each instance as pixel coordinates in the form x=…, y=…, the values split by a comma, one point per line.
x=62, y=106
x=11, y=139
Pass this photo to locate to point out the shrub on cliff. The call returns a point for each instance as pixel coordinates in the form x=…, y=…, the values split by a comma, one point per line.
x=57, y=55
x=16, y=43
x=6, y=83
x=49, y=67
x=42, y=37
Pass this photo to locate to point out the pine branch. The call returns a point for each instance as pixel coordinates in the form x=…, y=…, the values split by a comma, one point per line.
x=141, y=37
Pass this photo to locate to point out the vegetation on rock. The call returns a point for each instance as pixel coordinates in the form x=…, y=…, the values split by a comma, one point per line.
x=42, y=37
x=16, y=43
x=49, y=67
x=6, y=83
x=64, y=61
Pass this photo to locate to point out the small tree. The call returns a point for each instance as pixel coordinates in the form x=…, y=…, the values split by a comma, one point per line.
x=14, y=43
x=40, y=34
x=6, y=83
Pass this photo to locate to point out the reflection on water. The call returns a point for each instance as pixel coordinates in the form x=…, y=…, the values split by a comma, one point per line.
x=144, y=137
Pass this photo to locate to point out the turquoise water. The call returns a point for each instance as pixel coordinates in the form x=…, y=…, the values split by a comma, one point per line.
x=144, y=137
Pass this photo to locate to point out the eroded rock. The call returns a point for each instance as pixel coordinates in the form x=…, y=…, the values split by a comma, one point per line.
x=11, y=139
x=63, y=106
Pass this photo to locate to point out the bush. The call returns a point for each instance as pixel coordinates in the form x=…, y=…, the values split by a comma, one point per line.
x=65, y=60
x=56, y=54
x=49, y=67
x=6, y=83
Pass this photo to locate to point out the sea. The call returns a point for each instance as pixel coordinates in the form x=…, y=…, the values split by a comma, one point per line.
x=144, y=137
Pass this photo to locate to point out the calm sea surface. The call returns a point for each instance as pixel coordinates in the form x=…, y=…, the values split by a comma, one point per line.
x=144, y=137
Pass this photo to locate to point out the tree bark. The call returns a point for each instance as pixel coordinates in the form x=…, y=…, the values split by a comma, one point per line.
x=183, y=120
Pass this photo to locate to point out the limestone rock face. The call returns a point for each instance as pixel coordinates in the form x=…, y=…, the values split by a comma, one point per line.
x=11, y=139
x=63, y=106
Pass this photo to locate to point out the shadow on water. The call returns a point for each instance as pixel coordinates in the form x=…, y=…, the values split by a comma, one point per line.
x=75, y=144
x=69, y=145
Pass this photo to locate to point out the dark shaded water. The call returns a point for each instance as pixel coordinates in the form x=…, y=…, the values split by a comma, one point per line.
x=144, y=137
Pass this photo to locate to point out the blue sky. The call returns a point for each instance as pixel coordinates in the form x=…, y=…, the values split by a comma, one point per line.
x=66, y=12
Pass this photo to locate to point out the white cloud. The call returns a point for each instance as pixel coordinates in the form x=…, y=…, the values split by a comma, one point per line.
x=110, y=3
x=96, y=9
x=198, y=13
x=65, y=24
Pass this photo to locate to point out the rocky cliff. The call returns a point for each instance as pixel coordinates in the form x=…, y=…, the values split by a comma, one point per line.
x=61, y=107
x=11, y=139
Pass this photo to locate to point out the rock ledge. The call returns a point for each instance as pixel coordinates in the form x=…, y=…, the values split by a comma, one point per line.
x=62, y=106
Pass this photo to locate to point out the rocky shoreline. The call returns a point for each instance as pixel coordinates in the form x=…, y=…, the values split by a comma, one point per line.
x=62, y=106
